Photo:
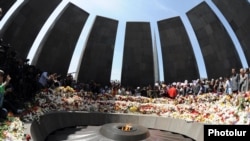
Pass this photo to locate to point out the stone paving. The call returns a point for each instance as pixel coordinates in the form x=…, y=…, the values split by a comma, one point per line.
x=27, y=129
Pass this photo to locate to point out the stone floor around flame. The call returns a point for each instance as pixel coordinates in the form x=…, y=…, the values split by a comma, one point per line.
x=91, y=133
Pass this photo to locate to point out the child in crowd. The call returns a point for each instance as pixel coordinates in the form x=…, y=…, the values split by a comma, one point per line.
x=3, y=84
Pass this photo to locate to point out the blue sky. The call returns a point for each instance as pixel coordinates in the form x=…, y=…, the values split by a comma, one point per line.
x=136, y=10
x=130, y=10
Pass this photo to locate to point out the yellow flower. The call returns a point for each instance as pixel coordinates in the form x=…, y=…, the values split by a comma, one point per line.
x=133, y=109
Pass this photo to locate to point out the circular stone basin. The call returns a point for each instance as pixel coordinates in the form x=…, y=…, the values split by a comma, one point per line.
x=115, y=131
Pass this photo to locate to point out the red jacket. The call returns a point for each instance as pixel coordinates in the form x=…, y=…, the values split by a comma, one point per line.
x=172, y=92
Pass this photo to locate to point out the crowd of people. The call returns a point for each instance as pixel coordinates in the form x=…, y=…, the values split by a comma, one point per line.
x=236, y=82
x=20, y=82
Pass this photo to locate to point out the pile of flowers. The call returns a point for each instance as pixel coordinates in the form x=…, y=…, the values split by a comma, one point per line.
x=12, y=129
x=206, y=108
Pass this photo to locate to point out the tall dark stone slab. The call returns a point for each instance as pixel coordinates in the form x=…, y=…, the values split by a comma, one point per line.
x=218, y=50
x=24, y=27
x=237, y=13
x=57, y=50
x=138, y=65
x=5, y=5
x=97, y=59
x=179, y=62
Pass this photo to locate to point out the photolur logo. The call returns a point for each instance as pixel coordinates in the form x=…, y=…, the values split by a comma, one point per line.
x=235, y=132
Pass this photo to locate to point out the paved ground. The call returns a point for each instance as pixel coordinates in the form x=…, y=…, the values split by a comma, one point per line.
x=27, y=129
x=91, y=133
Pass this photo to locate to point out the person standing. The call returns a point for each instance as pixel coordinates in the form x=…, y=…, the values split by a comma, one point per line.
x=44, y=79
x=3, y=84
x=172, y=91
x=228, y=86
x=234, y=81
x=248, y=74
x=243, y=86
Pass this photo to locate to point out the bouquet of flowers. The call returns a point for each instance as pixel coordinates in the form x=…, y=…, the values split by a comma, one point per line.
x=12, y=129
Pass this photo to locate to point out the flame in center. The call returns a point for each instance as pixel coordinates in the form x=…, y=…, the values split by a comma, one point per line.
x=127, y=127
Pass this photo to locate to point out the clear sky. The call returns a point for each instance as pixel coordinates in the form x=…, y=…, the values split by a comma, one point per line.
x=131, y=10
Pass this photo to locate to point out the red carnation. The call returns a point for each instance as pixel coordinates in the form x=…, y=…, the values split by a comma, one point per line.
x=28, y=137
